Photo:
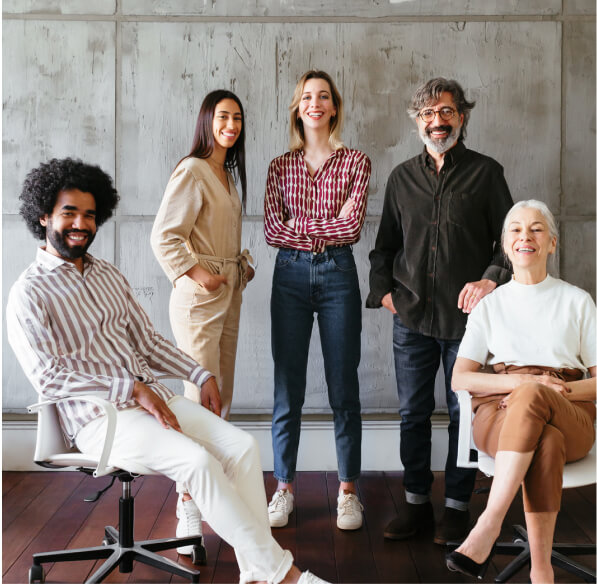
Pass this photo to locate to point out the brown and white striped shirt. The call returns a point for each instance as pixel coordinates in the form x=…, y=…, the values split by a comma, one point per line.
x=315, y=201
x=77, y=334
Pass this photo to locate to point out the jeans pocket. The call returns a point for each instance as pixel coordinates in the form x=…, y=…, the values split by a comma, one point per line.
x=284, y=258
x=344, y=261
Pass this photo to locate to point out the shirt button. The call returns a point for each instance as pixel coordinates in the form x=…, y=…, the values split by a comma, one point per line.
x=433, y=248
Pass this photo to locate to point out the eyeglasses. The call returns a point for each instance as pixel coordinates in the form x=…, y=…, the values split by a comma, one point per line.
x=445, y=113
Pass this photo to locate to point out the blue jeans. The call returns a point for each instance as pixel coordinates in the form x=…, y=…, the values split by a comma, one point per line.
x=304, y=284
x=417, y=359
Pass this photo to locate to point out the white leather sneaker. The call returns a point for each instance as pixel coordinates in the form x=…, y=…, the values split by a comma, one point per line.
x=350, y=512
x=189, y=523
x=309, y=578
x=280, y=508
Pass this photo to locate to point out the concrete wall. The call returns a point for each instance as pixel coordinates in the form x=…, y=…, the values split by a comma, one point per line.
x=119, y=83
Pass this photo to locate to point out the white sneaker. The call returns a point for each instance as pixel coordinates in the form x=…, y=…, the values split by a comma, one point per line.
x=189, y=523
x=350, y=511
x=280, y=508
x=308, y=578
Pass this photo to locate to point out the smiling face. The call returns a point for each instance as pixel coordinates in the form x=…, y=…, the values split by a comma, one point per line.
x=71, y=227
x=316, y=106
x=438, y=134
x=227, y=124
x=528, y=242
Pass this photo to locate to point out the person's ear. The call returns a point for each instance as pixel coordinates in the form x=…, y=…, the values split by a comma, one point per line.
x=44, y=220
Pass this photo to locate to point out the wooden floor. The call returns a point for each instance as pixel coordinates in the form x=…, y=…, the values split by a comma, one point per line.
x=43, y=511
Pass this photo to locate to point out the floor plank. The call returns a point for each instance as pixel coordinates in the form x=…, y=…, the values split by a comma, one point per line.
x=44, y=511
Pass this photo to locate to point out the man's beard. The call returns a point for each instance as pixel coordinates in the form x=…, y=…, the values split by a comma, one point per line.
x=70, y=252
x=443, y=145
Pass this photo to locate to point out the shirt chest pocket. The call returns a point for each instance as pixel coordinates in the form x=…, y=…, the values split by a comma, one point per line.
x=463, y=207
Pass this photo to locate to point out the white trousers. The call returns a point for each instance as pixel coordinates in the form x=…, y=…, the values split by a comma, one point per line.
x=221, y=467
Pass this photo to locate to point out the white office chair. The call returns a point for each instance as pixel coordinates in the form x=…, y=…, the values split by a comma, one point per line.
x=576, y=474
x=119, y=547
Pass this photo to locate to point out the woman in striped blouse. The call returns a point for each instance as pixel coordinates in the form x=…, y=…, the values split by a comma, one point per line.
x=315, y=203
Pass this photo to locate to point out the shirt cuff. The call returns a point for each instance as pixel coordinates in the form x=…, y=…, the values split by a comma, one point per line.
x=181, y=269
x=301, y=225
x=373, y=300
x=497, y=274
x=122, y=390
x=199, y=376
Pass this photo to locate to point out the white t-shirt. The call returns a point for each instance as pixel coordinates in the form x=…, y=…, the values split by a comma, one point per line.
x=550, y=324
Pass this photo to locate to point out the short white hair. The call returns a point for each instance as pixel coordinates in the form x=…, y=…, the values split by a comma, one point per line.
x=532, y=204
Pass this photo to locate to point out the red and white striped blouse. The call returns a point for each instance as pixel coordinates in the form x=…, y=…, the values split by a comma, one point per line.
x=315, y=201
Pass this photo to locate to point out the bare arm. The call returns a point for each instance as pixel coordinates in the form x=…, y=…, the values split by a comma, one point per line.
x=585, y=389
x=466, y=375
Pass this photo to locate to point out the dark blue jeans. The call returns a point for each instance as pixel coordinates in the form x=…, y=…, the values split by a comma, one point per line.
x=417, y=359
x=325, y=284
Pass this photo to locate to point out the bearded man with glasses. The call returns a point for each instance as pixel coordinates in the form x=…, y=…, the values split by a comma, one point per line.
x=437, y=253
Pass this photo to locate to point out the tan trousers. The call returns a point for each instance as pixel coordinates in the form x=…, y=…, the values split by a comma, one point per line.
x=537, y=419
x=205, y=326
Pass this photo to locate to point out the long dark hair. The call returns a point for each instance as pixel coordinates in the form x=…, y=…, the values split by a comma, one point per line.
x=203, y=140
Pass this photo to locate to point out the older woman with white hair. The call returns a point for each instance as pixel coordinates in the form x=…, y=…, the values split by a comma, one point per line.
x=538, y=332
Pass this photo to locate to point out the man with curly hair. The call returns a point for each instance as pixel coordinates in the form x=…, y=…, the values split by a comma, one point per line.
x=77, y=329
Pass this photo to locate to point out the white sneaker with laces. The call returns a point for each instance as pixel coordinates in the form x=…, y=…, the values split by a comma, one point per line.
x=280, y=508
x=189, y=523
x=350, y=511
x=309, y=578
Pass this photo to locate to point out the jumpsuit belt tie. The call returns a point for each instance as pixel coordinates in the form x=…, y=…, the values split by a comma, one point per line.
x=241, y=261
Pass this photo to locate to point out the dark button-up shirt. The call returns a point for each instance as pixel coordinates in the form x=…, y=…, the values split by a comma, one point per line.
x=438, y=232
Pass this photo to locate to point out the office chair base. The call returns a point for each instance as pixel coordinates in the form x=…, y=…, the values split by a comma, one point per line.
x=119, y=556
x=520, y=548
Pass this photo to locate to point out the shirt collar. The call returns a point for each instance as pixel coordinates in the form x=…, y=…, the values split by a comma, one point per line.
x=52, y=262
x=335, y=153
x=452, y=156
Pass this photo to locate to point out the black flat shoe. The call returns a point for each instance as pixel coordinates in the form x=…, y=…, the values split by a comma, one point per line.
x=457, y=562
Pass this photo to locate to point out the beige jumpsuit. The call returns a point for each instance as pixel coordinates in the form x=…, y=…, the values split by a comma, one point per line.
x=199, y=221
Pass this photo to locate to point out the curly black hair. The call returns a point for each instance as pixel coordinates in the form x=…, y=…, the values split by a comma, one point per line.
x=43, y=184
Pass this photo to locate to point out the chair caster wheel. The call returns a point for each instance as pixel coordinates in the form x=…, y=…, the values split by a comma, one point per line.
x=36, y=574
x=199, y=555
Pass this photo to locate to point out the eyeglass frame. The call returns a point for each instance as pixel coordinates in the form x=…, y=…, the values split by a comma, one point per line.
x=437, y=112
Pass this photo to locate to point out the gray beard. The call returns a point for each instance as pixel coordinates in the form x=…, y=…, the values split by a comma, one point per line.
x=440, y=146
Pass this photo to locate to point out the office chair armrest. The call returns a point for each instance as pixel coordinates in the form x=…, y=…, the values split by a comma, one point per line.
x=108, y=409
x=465, y=431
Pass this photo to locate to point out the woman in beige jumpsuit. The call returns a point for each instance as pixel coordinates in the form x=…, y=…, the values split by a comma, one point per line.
x=196, y=239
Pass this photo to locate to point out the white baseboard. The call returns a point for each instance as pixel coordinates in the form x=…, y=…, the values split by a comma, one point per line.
x=317, y=451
